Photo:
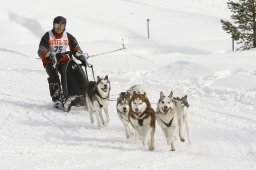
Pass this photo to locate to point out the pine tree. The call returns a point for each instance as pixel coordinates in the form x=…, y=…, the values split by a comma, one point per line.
x=243, y=28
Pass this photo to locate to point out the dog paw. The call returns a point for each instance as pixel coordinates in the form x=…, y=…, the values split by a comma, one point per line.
x=100, y=126
x=172, y=149
x=108, y=120
x=105, y=123
x=151, y=148
x=131, y=134
x=92, y=120
x=128, y=136
x=182, y=139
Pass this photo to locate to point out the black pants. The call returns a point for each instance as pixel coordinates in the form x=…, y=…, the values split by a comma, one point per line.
x=54, y=81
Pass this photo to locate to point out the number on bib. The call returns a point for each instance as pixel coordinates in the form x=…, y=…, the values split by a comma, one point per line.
x=58, y=49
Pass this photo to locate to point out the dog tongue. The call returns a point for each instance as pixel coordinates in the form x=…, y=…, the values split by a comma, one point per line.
x=166, y=110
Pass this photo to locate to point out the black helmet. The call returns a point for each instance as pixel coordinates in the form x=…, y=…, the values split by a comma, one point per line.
x=60, y=20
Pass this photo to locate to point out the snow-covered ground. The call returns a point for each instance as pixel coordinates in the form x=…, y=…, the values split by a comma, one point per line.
x=187, y=53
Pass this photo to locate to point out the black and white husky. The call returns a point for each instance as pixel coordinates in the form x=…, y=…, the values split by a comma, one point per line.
x=182, y=113
x=166, y=116
x=97, y=98
x=122, y=107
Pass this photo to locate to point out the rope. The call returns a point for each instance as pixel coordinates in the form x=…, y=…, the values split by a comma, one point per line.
x=106, y=52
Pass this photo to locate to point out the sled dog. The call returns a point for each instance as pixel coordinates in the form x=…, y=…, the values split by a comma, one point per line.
x=143, y=118
x=182, y=113
x=122, y=107
x=166, y=116
x=97, y=98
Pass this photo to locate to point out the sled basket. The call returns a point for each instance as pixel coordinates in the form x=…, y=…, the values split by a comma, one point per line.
x=76, y=79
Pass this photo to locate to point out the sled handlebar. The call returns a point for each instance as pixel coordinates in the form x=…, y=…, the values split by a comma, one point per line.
x=69, y=53
x=86, y=64
x=83, y=63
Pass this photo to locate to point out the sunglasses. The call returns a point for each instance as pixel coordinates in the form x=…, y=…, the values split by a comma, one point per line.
x=62, y=26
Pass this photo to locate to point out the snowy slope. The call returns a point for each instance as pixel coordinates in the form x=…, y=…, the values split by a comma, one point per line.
x=187, y=53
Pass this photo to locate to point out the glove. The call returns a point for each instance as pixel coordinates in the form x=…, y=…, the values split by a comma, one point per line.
x=53, y=57
x=59, y=56
x=80, y=56
x=50, y=56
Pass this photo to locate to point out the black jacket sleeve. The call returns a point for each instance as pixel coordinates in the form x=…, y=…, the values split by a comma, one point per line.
x=44, y=44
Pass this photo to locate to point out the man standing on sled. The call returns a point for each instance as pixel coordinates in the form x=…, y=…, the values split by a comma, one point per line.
x=51, y=48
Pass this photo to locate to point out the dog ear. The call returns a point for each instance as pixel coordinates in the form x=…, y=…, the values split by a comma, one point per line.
x=106, y=77
x=161, y=94
x=185, y=101
x=129, y=92
x=185, y=97
x=171, y=94
x=98, y=79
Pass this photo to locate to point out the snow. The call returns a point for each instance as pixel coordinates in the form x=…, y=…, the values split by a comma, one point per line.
x=187, y=53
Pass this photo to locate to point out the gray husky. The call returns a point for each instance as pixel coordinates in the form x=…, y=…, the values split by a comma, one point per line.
x=182, y=113
x=97, y=98
x=122, y=107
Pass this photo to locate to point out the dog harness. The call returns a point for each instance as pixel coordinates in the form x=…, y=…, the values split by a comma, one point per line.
x=98, y=94
x=149, y=112
x=167, y=124
x=140, y=121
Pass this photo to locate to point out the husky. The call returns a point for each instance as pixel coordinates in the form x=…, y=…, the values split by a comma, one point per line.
x=182, y=113
x=143, y=119
x=166, y=116
x=97, y=98
x=122, y=107
x=139, y=89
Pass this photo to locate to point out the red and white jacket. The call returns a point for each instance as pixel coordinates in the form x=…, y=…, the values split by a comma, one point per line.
x=54, y=42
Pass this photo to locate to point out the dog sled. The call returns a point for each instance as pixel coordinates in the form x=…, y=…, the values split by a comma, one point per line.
x=76, y=81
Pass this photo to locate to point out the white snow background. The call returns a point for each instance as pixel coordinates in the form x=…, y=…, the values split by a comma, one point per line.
x=187, y=53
